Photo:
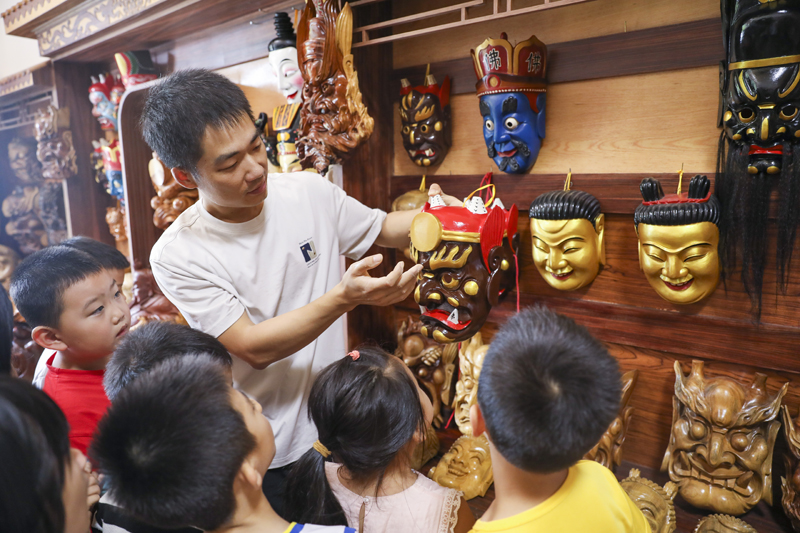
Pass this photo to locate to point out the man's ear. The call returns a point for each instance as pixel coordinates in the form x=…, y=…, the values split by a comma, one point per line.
x=48, y=338
x=248, y=474
x=183, y=178
x=477, y=421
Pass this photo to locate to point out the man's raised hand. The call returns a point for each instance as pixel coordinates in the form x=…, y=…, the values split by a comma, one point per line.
x=361, y=288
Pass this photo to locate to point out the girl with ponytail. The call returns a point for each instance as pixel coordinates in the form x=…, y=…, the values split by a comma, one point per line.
x=370, y=415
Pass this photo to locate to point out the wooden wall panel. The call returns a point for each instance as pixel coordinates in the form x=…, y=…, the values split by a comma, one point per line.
x=646, y=123
x=581, y=21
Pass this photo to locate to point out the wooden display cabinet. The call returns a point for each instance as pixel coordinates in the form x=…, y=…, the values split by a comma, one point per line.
x=633, y=92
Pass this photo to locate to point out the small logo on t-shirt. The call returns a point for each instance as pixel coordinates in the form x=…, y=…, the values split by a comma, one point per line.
x=309, y=252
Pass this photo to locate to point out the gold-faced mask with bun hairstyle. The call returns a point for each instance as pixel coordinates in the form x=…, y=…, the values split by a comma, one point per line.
x=679, y=240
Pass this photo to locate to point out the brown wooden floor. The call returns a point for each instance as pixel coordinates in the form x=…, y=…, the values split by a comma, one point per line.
x=763, y=518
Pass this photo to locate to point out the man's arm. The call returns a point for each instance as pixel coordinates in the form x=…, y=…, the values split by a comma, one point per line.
x=276, y=338
x=394, y=232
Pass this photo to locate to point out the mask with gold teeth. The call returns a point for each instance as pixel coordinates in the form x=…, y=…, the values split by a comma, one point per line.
x=467, y=257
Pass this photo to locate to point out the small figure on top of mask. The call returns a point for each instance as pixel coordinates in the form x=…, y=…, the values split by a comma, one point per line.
x=512, y=89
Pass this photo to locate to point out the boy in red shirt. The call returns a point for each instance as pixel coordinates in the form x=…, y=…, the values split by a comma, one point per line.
x=76, y=309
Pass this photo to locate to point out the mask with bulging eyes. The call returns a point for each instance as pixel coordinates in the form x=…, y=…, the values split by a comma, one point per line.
x=512, y=90
x=679, y=240
x=722, y=440
x=425, y=118
x=100, y=95
x=468, y=261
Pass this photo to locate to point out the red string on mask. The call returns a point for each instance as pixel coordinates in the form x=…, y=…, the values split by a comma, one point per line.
x=516, y=265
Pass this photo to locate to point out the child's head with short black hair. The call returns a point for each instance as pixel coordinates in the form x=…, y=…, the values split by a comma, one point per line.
x=42, y=480
x=548, y=390
x=369, y=412
x=108, y=256
x=72, y=302
x=152, y=343
x=175, y=439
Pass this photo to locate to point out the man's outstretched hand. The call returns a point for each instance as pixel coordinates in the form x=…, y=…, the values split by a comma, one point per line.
x=358, y=287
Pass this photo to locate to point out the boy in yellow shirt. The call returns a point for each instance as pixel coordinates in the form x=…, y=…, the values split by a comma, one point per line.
x=548, y=391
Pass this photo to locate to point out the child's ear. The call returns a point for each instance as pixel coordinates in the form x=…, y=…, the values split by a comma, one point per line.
x=249, y=474
x=48, y=338
x=477, y=421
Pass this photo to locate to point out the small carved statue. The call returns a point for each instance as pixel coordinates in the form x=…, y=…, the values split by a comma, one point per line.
x=8, y=262
x=334, y=119
x=568, y=232
x=104, y=109
x=790, y=485
x=655, y=502
x=149, y=303
x=171, y=198
x=467, y=255
x=425, y=116
x=55, y=150
x=117, y=223
x=411, y=200
x=433, y=365
x=467, y=466
x=760, y=114
x=678, y=240
x=25, y=352
x=608, y=451
x=720, y=523
x=722, y=440
x=512, y=89
x=22, y=207
x=285, y=123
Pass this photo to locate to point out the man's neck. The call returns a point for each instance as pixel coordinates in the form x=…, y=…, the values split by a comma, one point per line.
x=517, y=491
x=253, y=515
x=233, y=215
x=68, y=361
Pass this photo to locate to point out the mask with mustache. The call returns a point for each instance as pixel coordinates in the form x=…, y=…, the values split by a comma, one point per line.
x=512, y=91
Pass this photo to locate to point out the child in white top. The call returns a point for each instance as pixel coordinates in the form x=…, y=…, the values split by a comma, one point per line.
x=370, y=414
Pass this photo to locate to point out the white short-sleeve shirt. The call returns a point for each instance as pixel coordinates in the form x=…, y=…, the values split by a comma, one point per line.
x=285, y=258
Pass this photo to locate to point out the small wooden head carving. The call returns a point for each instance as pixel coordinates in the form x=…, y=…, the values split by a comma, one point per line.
x=467, y=466
x=720, y=523
x=470, y=362
x=723, y=437
x=654, y=501
x=608, y=451
x=790, y=485
x=335, y=120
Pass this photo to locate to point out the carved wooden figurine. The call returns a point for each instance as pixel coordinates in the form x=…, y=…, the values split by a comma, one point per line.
x=171, y=198
x=608, y=451
x=432, y=363
x=467, y=466
x=720, y=523
x=722, y=440
x=335, y=120
x=655, y=502
x=57, y=155
x=22, y=207
x=790, y=485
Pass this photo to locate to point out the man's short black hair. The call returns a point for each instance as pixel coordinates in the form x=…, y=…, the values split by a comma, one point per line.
x=565, y=205
x=106, y=255
x=180, y=108
x=548, y=391
x=172, y=444
x=146, y=346
x=39, y=282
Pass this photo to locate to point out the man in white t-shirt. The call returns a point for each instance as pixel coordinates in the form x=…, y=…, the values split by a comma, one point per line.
x=255, y=262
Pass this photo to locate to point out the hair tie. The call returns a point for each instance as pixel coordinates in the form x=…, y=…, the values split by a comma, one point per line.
x=323, y=451
x=354, y=354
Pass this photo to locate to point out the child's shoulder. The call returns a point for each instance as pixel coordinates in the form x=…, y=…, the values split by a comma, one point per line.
x=428, y=485
x=311, y=528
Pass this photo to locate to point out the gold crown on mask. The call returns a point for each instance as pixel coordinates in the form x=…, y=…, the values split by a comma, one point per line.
x=502, y=68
